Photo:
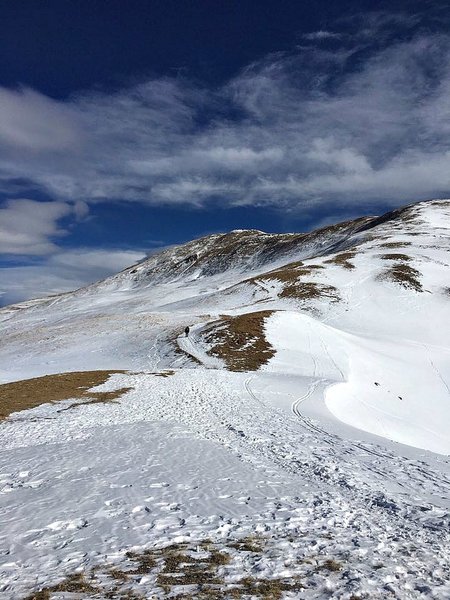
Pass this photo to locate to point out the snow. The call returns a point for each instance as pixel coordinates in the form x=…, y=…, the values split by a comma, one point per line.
x=370, y=390
x=336, y=449
x=184, y=457
x=190, y=344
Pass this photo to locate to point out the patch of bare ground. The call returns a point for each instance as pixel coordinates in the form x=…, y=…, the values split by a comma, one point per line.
x=286, y=274
x=249, y=544
x=101, y=398
x=290, y=275
x=76, y=583
x=331, y=565
x=30, y=393
x=396, y=256
x=342, y=260
x=182, y=571
x=268, y=589
x=403, y=275
x=309, y=290
x=291, y=270
x=165, y=373
x=395, y=245
x=240, y=341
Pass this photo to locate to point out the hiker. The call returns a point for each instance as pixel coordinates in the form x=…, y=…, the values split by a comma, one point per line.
x=186, y=331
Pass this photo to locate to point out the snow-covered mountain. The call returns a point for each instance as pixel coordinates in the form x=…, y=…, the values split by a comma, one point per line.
x=310, y=403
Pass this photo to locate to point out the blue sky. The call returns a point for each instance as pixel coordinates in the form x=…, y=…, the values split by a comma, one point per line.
x=129, y=126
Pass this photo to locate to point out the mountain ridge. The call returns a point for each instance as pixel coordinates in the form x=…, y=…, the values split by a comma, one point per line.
x=220, y=251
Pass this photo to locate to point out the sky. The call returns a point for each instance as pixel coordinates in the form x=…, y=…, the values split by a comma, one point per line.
x=128, y=126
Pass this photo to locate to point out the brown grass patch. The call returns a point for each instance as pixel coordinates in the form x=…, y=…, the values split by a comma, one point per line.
x=403, y=275
x=287, y=273
x=395, y=245
x=30, y=393
x=342, y=260
x=292, y=271
x=309, y=291
x=240, y=341
x=396, y=256
x=75, y=583
x=101, y=398
x=331, y=565
x=181, y=568
x=268, y=589
x=183, y=571
x=290, y=275
x=249, y=544
x=294, y=288
x=165, y=373
x=145, y=561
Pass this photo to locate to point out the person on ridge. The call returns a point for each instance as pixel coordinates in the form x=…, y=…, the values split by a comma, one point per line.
x=186, y=331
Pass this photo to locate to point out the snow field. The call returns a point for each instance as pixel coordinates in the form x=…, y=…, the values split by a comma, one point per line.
x=336, y=450
x=199, y=455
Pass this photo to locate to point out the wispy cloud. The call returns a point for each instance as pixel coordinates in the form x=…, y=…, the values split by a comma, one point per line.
x=362, y=121
x=321, y=35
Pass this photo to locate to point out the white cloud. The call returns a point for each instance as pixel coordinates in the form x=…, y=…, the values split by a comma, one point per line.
x=30, y=121
x=293, y=129
x=62, y=272
x=28, y=227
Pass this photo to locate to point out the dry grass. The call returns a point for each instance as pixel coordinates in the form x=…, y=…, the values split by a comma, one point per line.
x=292, y=271
x=296, y=289
x=166, y=373
x=75, y=583
x=145, y=561
x=342, y=260
x=182, y=568
x=30, y=393
x=403, y=275
x=395, y=245
x=101, y=398
x=331, y=565
x=290, y=275
x=249, y=544
x=240, y=341
x=309, y=291
x=396, y=256
x=287, y=273
x=181, y=571
x=268, y=589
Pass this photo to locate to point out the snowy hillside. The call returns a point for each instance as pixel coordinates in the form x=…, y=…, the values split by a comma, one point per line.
x=308, y=408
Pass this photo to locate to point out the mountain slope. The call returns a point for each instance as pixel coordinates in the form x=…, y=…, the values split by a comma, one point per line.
x=295, y=442
x=379, y=282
